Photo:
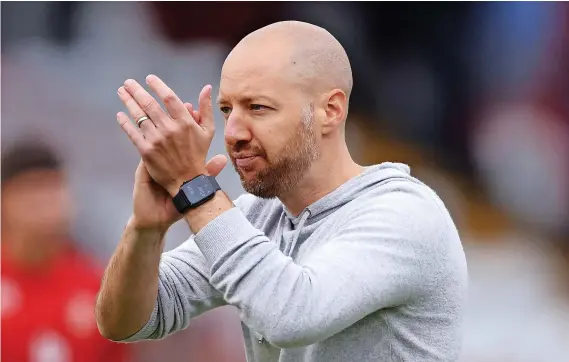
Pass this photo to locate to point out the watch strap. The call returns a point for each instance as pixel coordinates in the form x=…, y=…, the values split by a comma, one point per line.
x=214, y=183
x=182, y=203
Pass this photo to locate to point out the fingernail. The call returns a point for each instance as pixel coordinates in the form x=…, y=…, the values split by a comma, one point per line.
x=128, y=82
x=149, y=77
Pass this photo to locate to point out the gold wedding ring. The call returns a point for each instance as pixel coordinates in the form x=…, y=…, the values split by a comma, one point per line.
x=140, y=120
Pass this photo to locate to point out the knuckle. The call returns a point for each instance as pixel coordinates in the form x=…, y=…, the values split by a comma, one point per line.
x=149, y=104
x=185, y=126
x=170, y=97
x=147, y=151
x=159, y=140
x=169, y=132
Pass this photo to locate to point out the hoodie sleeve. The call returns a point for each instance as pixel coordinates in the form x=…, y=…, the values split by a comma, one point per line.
x=385, y=254
x=184, y=292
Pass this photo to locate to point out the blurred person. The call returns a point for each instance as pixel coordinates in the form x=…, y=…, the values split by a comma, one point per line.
x=129, y=42
x=48, y=287
x=326, y=260
x=116, y=38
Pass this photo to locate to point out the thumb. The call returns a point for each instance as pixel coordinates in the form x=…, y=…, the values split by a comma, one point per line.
x=141, y=174
x=206, y=110
x=215, y=165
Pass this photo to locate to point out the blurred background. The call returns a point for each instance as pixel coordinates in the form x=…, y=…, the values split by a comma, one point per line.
x=473, y=96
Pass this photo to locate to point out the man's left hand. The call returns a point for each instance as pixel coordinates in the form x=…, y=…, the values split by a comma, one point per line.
x=173, y=144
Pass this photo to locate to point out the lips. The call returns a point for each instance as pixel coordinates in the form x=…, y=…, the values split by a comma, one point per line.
x=245, y=162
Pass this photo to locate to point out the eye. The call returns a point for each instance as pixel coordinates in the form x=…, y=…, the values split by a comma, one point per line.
x=225, y=110
x=257, y=107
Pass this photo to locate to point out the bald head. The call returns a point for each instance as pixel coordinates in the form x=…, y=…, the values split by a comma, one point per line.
x=309, y=54
x=284, y=92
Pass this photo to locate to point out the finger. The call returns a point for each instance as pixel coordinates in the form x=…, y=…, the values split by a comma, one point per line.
x=206, y=110
x=173, y=104
x=147, y=127
x=215, y=165
x=147, y=103
x=132, y=132
x=195, y=114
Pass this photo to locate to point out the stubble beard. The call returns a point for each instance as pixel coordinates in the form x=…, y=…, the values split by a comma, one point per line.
x=288, y=168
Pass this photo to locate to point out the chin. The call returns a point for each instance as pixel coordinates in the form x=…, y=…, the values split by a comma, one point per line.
x=249, y=173
x=248, y=177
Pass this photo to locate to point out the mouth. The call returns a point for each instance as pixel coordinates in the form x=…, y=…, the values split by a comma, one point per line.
x=246, y=162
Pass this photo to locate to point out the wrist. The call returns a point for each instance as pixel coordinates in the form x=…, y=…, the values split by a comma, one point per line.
x=174, y=188
x=135, y=225
x=202, y=215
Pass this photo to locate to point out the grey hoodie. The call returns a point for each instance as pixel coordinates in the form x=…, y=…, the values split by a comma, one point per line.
x=374, y=271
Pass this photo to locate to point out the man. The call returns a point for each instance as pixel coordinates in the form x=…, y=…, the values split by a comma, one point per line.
x=325, y=260
x=48, y=288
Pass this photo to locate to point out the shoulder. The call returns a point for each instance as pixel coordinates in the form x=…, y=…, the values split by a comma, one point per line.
x=407, y=211
x=406, y=219
x=419, y=216
x=406, y=198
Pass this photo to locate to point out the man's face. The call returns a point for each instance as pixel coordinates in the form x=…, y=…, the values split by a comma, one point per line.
x=270, y=131
x=37, y=204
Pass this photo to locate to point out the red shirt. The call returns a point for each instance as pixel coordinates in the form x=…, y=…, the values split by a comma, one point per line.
x=48, y=316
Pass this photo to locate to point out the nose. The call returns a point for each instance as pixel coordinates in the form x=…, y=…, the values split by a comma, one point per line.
x=236, y=129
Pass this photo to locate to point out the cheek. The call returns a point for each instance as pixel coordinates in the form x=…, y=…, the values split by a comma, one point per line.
x=274, y=132
x=46, y=209
x=270, y=143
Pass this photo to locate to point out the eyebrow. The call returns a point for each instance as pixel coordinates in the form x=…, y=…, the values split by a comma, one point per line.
x=248, y=99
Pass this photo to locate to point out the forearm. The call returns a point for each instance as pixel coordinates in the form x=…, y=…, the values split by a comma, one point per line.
x=292, y=304
x=129, y=288
x=272, y=293
x=199, y=217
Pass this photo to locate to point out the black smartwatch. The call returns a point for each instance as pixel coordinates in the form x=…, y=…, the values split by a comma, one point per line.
x=195, y=192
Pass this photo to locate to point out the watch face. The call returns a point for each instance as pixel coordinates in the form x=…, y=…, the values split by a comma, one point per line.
x=198, y=189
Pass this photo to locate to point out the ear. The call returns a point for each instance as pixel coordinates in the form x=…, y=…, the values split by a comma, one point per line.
x=336, y=108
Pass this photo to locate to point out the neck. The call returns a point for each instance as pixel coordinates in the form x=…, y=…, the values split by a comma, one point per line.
x=327, y=173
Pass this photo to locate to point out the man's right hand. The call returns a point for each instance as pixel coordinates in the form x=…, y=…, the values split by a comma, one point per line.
x=153, y=208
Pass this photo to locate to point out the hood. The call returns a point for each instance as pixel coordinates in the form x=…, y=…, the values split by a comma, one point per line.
x=350, y=190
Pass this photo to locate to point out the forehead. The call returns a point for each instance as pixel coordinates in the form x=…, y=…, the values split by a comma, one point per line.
x=33, y=181
x=257, y=74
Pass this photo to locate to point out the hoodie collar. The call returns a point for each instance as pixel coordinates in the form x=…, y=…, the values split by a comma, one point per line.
x=349, y=190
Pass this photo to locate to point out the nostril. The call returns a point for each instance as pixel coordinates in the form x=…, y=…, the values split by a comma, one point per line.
x=240, y=145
